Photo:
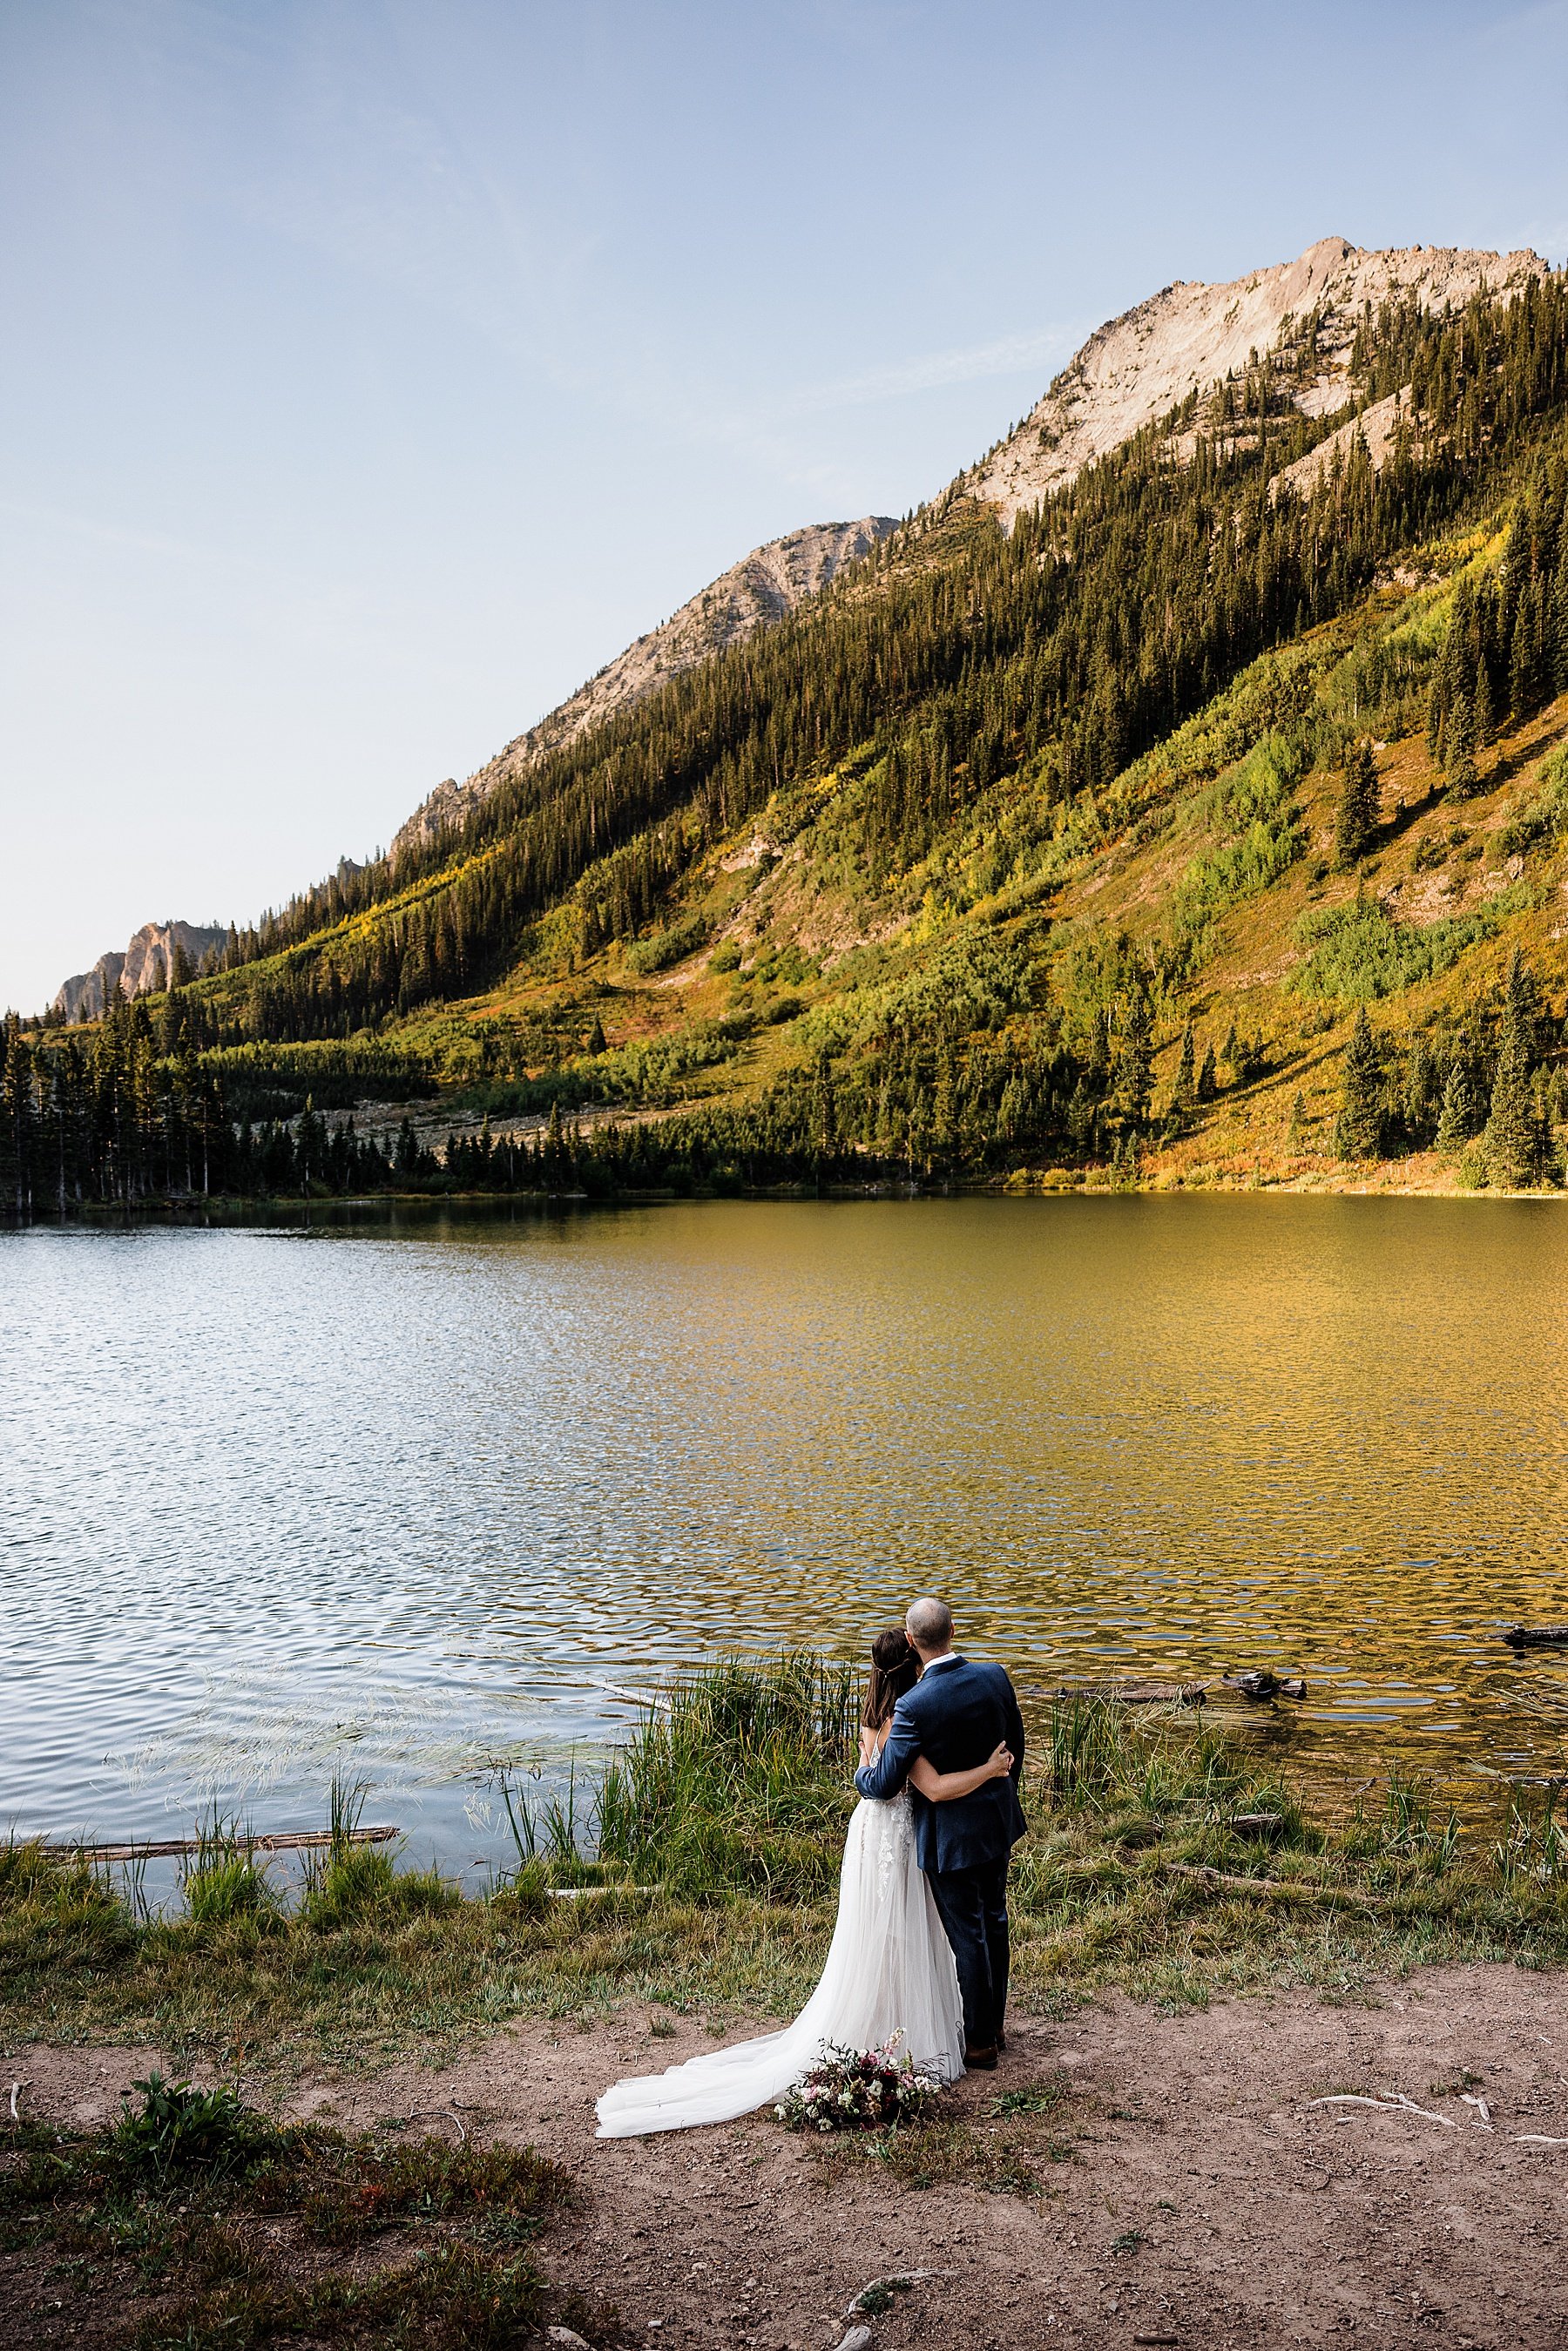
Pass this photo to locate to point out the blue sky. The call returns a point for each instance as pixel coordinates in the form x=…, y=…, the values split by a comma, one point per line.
x=372, y=373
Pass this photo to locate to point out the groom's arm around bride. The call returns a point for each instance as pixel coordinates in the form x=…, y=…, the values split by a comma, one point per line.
x=955, y=1716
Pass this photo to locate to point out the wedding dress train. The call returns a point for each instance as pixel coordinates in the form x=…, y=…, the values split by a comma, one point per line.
x=889, y=1967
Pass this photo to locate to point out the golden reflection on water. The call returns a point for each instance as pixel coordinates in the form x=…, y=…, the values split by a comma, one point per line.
x=411, y=1486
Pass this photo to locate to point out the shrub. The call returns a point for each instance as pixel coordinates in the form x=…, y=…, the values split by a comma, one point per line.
x=725, y=956
x=671, y=945
x=742, y=1783
x=1358, y=953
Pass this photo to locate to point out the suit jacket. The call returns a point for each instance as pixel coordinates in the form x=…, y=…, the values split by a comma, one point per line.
x=955, y=1716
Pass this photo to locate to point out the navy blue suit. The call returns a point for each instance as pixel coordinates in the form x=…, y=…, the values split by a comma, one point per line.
x=955, y=1717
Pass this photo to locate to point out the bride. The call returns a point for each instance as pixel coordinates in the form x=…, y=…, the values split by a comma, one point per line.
x=889, y=1969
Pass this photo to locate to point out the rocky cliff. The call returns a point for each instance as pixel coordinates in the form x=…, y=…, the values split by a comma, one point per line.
x=752, y=594
x=1191, y=337
x=146, y=966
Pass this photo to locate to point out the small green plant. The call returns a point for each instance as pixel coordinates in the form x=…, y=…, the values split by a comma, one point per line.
x=1032, y=2098
x=180, y=2133
x=725, y=956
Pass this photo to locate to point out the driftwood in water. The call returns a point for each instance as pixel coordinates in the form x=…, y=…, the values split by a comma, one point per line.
x=273, y=1840
x=1132, y=1693
x=1536, y=1636
x=1264, y=1684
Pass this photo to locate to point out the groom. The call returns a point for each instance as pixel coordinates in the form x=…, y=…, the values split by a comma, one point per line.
x=955, y=1716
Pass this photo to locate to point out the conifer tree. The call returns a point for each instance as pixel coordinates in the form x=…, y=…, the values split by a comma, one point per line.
x=1184, y=1087
x=1208, y=1082
x=1134, y=1074
x=1460, y=1114
x=1357, y=820
x=1516, y=1138
x=1459, y=749
x=1358, y=1134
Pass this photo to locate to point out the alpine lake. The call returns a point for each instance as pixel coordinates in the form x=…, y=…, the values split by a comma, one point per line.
x=393, y=1497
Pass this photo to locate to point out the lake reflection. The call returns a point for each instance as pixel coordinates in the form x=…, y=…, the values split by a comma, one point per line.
x=389, y=1498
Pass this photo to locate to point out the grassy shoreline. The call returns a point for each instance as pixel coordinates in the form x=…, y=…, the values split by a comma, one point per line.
x=1160, y=1860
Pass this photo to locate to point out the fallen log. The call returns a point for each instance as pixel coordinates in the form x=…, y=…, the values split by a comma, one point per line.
x=271, y=1841
x=1289, y=1889
x=1536, y=1636
x=1130, y=1693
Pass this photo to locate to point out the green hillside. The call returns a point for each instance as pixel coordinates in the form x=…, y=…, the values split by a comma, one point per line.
x=1208, y=827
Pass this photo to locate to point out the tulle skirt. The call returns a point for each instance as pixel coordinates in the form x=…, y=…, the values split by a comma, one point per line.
x=889, y=1969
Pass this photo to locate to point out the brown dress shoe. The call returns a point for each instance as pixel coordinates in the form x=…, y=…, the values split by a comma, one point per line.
x=980, y=2061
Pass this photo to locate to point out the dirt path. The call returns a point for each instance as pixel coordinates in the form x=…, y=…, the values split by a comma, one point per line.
x=1188, y=2193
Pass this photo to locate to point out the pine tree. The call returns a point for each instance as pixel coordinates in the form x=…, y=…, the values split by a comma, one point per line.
x=1134, y=1074
x=1358, y=1134
x=1516, y=1141
x=596, y=1040
x=1459, y=749
x=1184, y=1087
x=1358, y=805
x=1460, y=1114
x=1208, y=1082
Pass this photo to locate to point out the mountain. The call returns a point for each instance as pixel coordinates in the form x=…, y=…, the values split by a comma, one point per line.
x=146, y=966
x=1128, y=373
x=1179, y=796
x=1189, y=336
x=753, y=593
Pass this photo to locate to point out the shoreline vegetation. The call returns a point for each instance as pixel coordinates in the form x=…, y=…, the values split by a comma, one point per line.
x=696, y=1885
x=701, y=1873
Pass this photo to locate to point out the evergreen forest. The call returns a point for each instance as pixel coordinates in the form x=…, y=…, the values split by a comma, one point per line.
x=1208, y=826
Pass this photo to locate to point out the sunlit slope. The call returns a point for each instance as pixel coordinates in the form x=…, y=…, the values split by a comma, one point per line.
x=966, y=865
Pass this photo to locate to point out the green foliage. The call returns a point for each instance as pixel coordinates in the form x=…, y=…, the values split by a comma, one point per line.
x=59, y=1918
x=178, y=2134
x=1541, y=821
x=740, y=1782
x=1356, y=952
x=670, y=946
x=1356, y=820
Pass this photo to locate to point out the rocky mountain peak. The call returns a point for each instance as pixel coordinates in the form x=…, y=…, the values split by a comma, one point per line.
x=146, y=966
x=1191, y=336
x=753, y=593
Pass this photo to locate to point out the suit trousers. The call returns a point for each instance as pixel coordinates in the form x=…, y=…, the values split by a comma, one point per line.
x=973, y=1908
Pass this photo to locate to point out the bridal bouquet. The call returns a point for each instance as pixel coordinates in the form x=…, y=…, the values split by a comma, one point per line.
x=858, y=2089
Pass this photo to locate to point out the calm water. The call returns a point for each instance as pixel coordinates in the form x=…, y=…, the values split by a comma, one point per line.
x=389, y=1498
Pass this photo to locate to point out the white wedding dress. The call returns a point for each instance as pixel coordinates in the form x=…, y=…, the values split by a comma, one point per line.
x=889, y=1969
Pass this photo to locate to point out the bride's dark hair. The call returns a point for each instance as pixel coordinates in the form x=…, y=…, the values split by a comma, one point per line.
x=895, y=1668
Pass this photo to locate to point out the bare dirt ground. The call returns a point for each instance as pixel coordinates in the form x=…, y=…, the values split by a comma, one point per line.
x=1185, y=2191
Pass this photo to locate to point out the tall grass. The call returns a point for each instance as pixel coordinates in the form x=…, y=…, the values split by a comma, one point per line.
x=742, y=1783
x=347, y=1884
x=223, y=1878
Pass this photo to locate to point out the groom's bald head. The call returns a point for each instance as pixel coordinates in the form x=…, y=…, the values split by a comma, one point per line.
x=929, y=1625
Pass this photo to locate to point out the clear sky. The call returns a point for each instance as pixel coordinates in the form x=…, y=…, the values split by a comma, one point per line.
x=370, y=373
